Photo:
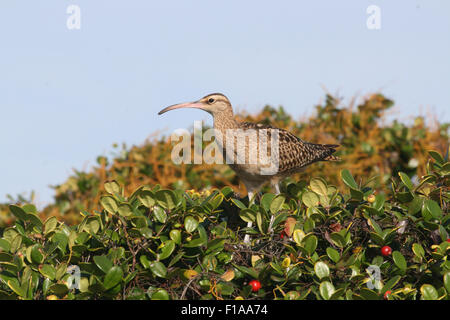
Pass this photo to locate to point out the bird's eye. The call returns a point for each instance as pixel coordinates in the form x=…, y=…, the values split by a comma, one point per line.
x=211, y=100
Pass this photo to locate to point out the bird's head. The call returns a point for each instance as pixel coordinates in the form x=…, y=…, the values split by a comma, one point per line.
x=215, y=104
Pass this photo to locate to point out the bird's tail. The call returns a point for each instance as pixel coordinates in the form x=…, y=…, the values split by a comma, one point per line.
x=332, y=158
x=332, y=148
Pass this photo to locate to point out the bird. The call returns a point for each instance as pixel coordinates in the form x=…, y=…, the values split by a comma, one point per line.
x=288, y=153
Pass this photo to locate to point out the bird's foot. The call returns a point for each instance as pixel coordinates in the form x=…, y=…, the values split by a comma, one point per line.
x=247, y=240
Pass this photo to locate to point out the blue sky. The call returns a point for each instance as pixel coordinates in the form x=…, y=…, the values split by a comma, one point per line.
x=67, y=95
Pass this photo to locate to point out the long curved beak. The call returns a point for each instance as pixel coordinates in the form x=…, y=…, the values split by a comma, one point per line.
x=196, y=104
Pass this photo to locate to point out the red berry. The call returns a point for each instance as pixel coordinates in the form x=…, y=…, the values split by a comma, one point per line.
x=255, y=284
x=448, y=240
x=282, y=235
x=386, y=251
x=386, y=294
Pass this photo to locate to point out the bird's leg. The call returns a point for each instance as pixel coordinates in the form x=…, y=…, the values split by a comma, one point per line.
x=277, y=188
x=249, y=224
x=272, y=218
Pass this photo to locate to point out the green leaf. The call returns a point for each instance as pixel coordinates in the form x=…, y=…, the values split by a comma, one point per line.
x=266, y=200
x=4, y=245
x=248, y=215
x=227, y=191
x=176, y=258
x=216, y=200
x=310, y=199
x=175, y=235
x=379, y=202
x=429, y=292
x=167, y=249
x=201, y=240
x=390, y=284
x=215, y=245
x=321, y=270
x=333, y=254
x=113, y=277
x=298, y=236
x=16, y=242
x=30, y=208
x=418, y=250
x=369, y=294
x=277, y=268
x=277, y=203
x=337, y=293
x=61, y=271
x=406, y=180
x=319, y=186
x=239, y=204
x=18, y=212
x=146, y=232
x=310, y=244
x=36, y=254
x=432, y=208
x=158, y=269
x=59, y=289
x=61, y=239
x=348, y=179
x=356, y=194
x=6, y=257
x=92, y=225
x=112, y=187
x=34, y=220
x=48, y=271
x=375, y=227
x=326, y=290
x=399, y=260
x=160, y=214
x=147, y=198
x=415, y=205
x=337, y=239
x=447, y=281
x=103, y=263
x=160, y=294
x=249, y=271
x=15, y=286
x=125, y=210
x=190, y=224
x=166, y=199
x=445, y=170
x=144, y=261
x=139, y=221
x=436, y=156
x=109, y=204
x=404, y=197
x=443, y=233
x=84, y=285
x=259, y=222
x=50, y=225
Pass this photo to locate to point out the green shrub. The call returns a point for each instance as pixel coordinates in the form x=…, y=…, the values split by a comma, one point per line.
x=370, y=146
x=163, y=244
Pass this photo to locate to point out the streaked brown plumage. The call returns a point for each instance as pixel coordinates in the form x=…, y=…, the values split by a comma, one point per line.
x=294, y=154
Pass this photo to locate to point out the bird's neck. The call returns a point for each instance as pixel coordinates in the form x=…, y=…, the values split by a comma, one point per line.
x=222, y=123
x=225, y=120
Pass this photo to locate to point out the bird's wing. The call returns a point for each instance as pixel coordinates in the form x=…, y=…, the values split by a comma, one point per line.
x=294, y=153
